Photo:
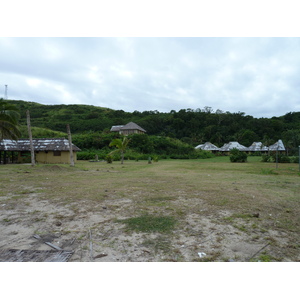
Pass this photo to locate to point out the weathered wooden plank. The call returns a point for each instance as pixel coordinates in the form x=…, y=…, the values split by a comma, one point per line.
x=36, y=236
x=54, y=246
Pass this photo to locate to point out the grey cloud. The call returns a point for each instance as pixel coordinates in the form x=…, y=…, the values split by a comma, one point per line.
x=253, y=75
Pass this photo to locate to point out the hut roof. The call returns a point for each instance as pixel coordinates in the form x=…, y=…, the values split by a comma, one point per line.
x=277, y=146
x=257, y=146
x=128, y=126
x=116, y=128
x=232, y=145
x=207, y=146
x=58, y=144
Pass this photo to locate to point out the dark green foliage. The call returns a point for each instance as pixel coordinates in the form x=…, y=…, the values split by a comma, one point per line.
x=41, y=133
x=90, y=123
x=237, y=156
x=284, y=159
x=204, y=154
x=265, y=158
x=95, y=140
x=9, y=120
x=91, y=154
x=109, y=158
x=280, y=158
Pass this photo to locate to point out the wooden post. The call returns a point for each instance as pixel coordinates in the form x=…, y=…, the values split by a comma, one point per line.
x=30, y=138
x=277, y=157
x=299, y=158
x=70, y=146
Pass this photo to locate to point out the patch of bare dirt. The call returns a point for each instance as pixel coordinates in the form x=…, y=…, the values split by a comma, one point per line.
x=93, y=234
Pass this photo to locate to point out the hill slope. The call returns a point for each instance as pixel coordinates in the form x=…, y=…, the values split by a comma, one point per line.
x=191, y=126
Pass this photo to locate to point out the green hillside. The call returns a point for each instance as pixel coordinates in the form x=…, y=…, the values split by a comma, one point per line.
x=190, y=126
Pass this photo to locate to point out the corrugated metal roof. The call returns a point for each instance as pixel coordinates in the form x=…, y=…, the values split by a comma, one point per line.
x=257, y=146
x=116, y=127
x=277, y=146
x=232, y=145
x=58, y=144
x=128, y=126
x=208, y=146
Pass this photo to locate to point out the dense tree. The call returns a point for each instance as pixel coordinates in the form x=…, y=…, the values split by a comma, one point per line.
x=188, y=125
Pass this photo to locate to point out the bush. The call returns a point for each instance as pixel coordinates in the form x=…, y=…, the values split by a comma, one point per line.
x=265, y=158
x=237, y=156
x=204, y=154
x=109, y=159
x=281, y=158
x=86, y=155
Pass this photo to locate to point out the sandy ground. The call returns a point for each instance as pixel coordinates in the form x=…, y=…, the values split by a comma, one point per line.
x=94, y=235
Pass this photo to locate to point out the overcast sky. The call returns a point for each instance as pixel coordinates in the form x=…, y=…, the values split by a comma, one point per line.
x=169, y=55
x=258, y=76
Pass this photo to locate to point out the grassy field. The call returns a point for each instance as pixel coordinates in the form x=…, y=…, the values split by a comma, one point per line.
x=170, y=210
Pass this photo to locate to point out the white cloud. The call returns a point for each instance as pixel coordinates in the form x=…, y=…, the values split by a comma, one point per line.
x=33, y=82
x=232, y=74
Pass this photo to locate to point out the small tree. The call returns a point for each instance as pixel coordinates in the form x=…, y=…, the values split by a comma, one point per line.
x=237, y=156
x=9, y=116
x=121, y=147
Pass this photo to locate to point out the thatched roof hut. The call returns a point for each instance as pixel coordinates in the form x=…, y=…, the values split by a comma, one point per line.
x=46, y=150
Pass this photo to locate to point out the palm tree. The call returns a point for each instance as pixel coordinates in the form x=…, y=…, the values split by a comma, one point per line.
x=121, y=145
x=9, y=116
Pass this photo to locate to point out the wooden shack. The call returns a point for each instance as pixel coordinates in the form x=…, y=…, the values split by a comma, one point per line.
x=47, y=151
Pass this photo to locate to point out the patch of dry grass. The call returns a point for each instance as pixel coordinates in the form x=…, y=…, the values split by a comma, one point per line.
x=224, y=193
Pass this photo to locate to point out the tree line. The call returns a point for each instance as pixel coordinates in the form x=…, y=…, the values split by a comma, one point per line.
x=190, y=126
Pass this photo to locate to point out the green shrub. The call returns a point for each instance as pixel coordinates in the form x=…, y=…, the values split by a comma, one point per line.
x=237, y=156
x=281, y=158
x=284, y=159
x=204, y=154
x=265, y=158
x=109, y=159
x=90, y=154
x=85, y=155
x=294, y=159
x=155, y=158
